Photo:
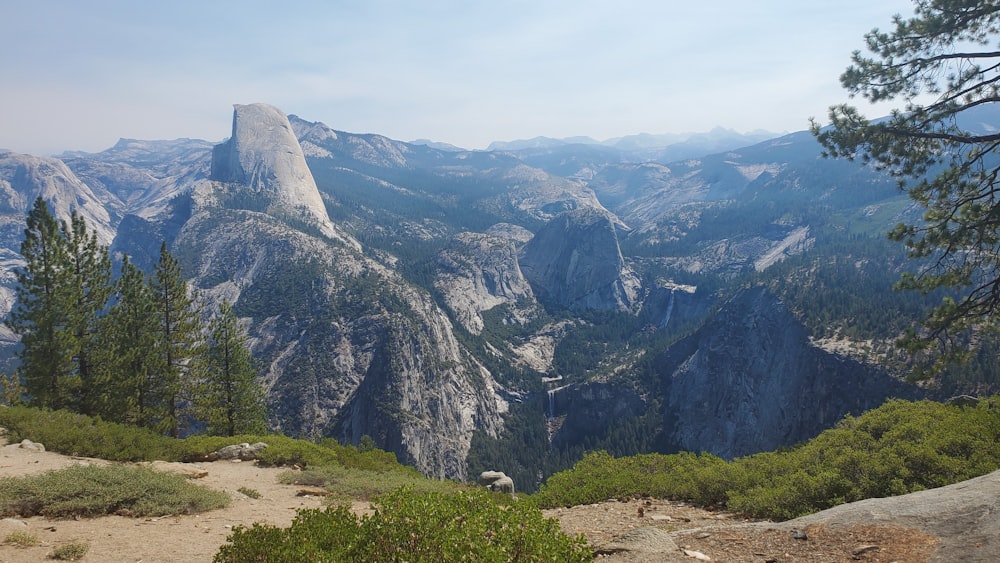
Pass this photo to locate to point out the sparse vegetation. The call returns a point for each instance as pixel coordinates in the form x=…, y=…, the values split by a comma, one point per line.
x=898, y=448
x=247, y=491
x=21, y=539
x=90, y=491
x=411, y=526
x=361, y=484
x=72, y=551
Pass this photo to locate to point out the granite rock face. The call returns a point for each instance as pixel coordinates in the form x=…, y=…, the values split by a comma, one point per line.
x=23, y=178
x=751, y=381
x=478, y=272
x=575, y=261
x=265, y=158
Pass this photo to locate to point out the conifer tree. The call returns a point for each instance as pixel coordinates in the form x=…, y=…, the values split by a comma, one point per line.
x=40, y=315
x=178, y=340
x=233, y=400
x=941, y=69
x=88, y=288
x=130, y=333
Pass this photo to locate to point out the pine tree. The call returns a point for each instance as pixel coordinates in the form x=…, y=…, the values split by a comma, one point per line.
x=40, y=315
x=940, y=68
x=129, y=337
x=233, y=400
x=88, y=289
x=179, y=339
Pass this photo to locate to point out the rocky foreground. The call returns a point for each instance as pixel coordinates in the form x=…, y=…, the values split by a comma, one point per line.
x=954, y=523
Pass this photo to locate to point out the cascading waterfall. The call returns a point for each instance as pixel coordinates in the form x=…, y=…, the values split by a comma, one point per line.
x=552, y=403
x=670, y=310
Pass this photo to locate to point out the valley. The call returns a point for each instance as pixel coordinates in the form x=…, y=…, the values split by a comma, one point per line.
x=515, y=308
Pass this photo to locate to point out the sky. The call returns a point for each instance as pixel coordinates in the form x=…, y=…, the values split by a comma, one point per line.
x=79, y=75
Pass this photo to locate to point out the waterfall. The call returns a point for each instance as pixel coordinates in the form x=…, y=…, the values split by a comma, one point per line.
x=552, y=403
x=670, y=310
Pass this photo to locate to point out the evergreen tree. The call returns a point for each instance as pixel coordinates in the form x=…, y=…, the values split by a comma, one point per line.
x=88, y=289
x=233, y=400
x=941, y=66
x=130, y=335
x=40, y=315
x=179, y=339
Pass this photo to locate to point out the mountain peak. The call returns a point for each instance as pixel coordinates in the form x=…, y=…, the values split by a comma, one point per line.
x=264, y=155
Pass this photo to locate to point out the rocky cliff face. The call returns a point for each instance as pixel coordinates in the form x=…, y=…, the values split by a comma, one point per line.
x=264, y=158
x=23, y=178
x=751, y=381
x=351, y=348
x=478, y=272
x=575, y=261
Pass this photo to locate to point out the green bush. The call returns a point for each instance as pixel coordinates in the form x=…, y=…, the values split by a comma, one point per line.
x=895, y=449
x=72, y=551
x=88, y=490
x=21, y=539
x=415, y=527
x=698, y=478
x=76, y=434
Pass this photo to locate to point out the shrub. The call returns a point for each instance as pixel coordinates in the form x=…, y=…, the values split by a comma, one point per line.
x=251, y=493
x=21, y=539
x=72, y=551
x=76, y=434
x=895, y=449
x=83, y=490
x=410, y=526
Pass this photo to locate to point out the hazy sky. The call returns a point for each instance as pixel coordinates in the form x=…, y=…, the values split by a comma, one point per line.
x=77, y=75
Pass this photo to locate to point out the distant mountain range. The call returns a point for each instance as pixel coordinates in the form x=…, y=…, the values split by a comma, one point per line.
x=511, y=308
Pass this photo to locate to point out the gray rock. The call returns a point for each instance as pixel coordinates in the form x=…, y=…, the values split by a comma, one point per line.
x=750, y=380
x=264, y=155
x=962, y=516
x=963, y=401
x=496, y=481
x=647, y=542
x=487, y=478
x=575, y=261
x=33, y=446
x=503, y=485
x=244, y=451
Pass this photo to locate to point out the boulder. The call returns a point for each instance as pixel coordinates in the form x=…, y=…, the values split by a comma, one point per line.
x=244, y=451
x=185, y=469
x=496, y=481
x=487, y=478
x=33, y=446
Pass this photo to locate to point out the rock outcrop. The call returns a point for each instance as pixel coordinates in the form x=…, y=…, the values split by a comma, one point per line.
x=23, y=178
x=349, y=348
x=263, y=156
x=751, y=381
x=575, y=261
x=478, y=272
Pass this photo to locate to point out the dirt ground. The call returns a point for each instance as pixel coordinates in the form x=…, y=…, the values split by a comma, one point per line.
x=627, y=531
